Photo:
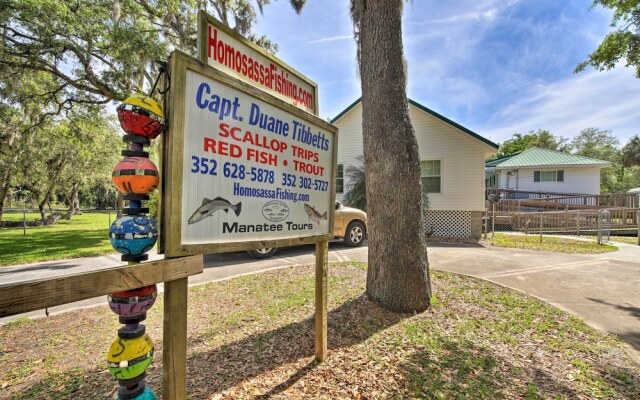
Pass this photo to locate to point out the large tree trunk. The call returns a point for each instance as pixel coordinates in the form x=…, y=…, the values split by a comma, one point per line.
x=398, y=274
x=5, y=184
x=54, y=175
x=7, y=166
x=43, y=214
x=119, y=205
x=74, y=199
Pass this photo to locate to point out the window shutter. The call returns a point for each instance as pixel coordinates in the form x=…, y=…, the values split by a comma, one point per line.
x=560, y=176
x=536, y=176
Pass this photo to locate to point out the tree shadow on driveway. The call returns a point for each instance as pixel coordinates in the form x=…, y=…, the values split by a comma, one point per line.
x=633, y=338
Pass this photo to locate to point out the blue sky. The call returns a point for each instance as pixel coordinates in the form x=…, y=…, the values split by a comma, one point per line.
x=495, y=66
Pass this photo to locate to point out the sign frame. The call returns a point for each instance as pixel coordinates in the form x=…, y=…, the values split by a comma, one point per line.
x=172, y=162
x=205, y=19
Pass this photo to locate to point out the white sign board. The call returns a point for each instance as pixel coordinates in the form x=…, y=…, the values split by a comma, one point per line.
x=247, y=168
x=228, y=51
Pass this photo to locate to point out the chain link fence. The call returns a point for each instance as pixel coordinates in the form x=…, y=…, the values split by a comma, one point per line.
x=26, y=219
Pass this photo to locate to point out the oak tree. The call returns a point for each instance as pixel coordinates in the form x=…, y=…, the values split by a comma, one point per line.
x=623, y=42
x=540, y=138
x=398, y=272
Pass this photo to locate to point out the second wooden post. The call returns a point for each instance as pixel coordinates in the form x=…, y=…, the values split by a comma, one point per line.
x=322, y=249
x=174, y=350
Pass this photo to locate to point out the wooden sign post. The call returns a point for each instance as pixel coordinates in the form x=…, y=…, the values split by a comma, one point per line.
x=322, y=249
x=174, y=355
x=244, y=170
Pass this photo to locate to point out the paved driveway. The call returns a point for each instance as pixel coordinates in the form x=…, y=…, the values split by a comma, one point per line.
x=603, y=289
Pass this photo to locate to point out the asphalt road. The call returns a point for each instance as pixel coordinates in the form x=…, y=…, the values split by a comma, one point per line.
x=216, y=267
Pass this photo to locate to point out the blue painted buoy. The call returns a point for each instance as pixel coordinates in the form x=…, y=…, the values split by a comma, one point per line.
x=133, y=234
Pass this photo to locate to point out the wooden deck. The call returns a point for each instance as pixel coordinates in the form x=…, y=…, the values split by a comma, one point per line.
x=561, y=212
x=551, y=200
x=579, y=221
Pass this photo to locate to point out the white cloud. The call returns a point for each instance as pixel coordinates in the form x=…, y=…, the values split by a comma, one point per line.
x=472, y=16
x=480, y=11
x=331, y=39
x=605, y=100
x=443, y=51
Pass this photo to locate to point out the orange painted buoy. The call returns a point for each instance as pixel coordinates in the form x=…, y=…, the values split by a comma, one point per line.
x=135, y=175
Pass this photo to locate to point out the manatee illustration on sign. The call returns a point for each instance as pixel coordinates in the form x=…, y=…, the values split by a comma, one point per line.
x=313, y=214
x=209, y=207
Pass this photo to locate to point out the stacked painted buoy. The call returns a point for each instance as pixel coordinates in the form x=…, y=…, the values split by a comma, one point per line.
x=133, y=235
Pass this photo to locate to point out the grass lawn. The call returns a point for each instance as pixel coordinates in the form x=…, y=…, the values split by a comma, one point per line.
x=620, y=239
x=81, y=236
x=550, y=243
x=18, y=217
x=625, y=239
x=252, y=337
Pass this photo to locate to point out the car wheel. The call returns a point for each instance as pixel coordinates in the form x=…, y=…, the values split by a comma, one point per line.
x=262, y=253
x=354, y=236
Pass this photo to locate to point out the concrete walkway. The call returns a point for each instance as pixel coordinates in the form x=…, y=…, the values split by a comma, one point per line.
x=603, y=289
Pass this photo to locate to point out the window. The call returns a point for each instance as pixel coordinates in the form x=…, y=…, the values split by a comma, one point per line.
x=431, y=177
x=340, y=178
x=493, y=180
x=548, y=176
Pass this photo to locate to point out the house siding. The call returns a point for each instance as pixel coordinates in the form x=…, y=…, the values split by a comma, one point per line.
x=349, y=143
x=462, y=163
x=462, y=168
x=585, y=180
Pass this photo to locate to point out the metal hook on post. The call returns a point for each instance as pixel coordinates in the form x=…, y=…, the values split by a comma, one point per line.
x=162, y=70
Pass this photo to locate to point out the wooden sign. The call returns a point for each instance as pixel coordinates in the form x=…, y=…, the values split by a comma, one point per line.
x=228, y=51
x=243, y=169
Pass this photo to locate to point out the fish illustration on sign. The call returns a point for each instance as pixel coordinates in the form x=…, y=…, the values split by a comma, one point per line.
x=209, y=207
x=313, y=214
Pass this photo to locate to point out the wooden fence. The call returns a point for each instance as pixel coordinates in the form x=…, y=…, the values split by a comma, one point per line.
x=526, y=194
x=551, y=200
x=568, y=221
x=22, y=297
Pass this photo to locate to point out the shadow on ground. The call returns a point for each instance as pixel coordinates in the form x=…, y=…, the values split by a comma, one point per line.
x=444, y=243
x=442, y=366
x=52, y=266
x=221, y=368
x=629, y=309
x=633, y=338
x=241, y=257
x=469, y=370
x=225, y=367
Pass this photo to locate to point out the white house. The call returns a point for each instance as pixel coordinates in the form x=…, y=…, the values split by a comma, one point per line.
x=452, y=167
x=542, y=170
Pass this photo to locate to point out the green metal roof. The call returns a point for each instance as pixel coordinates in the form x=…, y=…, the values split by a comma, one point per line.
x=536, y=157
x=498, y=161
x=430, y=112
